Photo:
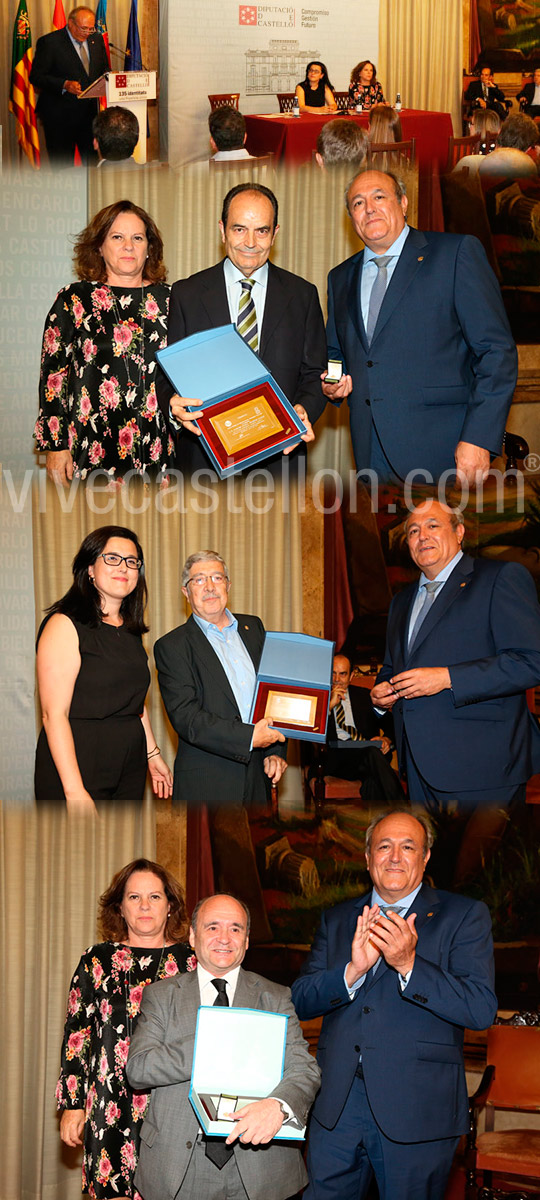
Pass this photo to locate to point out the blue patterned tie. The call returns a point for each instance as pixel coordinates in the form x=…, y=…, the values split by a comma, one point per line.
x=377, y=294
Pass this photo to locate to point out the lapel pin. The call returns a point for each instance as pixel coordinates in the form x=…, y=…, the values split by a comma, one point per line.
x=430, y=914
x=463, y=585
x=420, y=258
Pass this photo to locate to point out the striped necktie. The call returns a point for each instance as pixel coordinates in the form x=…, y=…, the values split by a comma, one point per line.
x=246, y=321
x=350, y=730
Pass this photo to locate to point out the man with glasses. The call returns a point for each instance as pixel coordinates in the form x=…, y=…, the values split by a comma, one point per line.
x=207, y=669
x=66, y=62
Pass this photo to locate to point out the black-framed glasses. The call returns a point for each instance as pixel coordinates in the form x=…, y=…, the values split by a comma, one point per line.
x=200, y=580
x=114, y=560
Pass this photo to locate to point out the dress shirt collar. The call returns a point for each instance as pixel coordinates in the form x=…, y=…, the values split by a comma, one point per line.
x=235, y=275
x=208, y=627
x=205, y=977
x=76, y=45
x=405, y=903
x=393, y=251
x=445, y=573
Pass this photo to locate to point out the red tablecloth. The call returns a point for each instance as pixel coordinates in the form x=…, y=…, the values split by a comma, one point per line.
x=293, y=139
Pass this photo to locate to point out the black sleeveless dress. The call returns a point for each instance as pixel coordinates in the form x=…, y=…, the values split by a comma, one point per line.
x=105, y=718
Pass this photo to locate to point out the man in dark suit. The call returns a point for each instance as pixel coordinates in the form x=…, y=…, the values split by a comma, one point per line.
x=351, y=719
x=484, y=93
x=289, y=334
x=207, y=669
x=429, y=362
x=175, y=1159
x=396, y=992
x=463, y=646
x=529, y=96
x=65, y=63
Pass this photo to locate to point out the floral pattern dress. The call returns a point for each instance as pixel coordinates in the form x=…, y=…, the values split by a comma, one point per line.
x=103, y=1005
x=98, y=379
x=366, y=95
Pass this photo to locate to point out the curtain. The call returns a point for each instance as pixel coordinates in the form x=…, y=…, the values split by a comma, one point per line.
x=421, y=54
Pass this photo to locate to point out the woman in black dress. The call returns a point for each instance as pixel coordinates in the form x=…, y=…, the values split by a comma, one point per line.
x=315, y=93
x=143, y=918
x=97, y=740
x=98, y=402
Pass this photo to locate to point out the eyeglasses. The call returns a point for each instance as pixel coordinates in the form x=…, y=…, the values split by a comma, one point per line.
x=200, y=580
x=83, y=28
x=114, y=560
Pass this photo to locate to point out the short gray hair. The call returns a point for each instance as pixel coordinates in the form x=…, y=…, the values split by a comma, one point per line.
x=455, y=514
x=417, y=814
x=230, y=896
x=399, y=184
x=199, y=557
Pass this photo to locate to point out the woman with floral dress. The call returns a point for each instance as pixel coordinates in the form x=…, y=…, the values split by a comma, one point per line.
x=143, y=916
x=98, y=401
x=364, y=88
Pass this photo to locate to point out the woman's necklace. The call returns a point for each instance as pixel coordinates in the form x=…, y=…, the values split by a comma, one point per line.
x=127, y=984
x=124, y=328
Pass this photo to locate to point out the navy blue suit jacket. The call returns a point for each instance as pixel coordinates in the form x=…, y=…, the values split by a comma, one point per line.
x=411, y=1041
x=442, y=364
x=485, y=626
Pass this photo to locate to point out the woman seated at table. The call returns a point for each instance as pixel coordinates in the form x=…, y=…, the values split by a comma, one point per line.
x=384, y=124
x=364, y=89
x=315, y=93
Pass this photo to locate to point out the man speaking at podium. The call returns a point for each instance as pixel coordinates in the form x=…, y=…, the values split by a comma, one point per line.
x=66, y=62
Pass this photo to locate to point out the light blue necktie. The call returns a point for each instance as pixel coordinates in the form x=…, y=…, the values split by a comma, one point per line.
x=430, y=593
x=377, y=294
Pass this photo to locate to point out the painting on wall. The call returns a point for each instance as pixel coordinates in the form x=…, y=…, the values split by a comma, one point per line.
x=507, y=35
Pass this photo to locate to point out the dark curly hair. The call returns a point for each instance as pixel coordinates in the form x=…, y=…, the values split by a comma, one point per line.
x=357, y=70
x=87, y=259
x=82, y=601
x=112, y=925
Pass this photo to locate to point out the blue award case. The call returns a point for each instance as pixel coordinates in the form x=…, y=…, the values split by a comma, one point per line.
x=217, y=365
x=296, y=662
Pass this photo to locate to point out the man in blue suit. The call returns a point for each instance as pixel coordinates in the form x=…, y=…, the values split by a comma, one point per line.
x=418, y=323
x=396, y=992
x=463, y=646
x=65, y=63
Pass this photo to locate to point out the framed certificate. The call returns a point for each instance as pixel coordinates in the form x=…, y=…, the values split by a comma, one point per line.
x=293, y=709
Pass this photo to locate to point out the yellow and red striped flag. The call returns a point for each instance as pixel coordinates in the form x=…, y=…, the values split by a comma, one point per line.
x=59, y=16
x=22, y=102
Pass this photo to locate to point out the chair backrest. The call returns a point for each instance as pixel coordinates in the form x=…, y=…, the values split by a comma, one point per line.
x=514, y=1051
x=241, y=166
x=286, y=101
x=224, y=100
x=459, y=147
x=387, y=153
x=342, y=101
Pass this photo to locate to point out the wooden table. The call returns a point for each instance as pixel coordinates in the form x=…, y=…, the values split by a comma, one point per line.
x=293, y=139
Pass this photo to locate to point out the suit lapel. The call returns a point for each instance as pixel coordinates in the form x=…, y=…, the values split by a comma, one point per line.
x=354, y=306
x=459, y=579
x=426, y=907
x=210, y=660
x=414, y=253
x=247, y=993
x=214, y=298
x=190, y=996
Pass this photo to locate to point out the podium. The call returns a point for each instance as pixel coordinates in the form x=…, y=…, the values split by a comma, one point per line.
x=128, y=89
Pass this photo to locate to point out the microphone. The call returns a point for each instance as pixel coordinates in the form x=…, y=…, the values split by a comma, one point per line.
x=127, y=54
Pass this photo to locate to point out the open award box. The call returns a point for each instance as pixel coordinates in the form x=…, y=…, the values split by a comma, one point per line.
x=238, y=1058
x=293, y=684
x=246, y=415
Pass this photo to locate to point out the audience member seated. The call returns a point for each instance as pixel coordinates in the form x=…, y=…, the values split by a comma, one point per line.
x=488, y=124
x=341, y=142
x=352, y=719
x=510, y=160
x=529, y=96
x=116, y=133
x=315, y=93
x=227, y=134
x=484, y=93
x=384, y=124
x=364, y=89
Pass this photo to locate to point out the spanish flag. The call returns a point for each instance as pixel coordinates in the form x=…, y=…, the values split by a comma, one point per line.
x=59, y=16
x=22, y=101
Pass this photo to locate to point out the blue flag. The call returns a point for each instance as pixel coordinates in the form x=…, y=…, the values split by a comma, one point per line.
x=133, y=60
x=101, y=25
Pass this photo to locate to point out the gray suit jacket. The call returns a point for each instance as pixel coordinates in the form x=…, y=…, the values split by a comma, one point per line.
x=160, y=1058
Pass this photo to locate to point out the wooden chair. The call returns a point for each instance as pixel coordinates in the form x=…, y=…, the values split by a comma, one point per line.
x=224, y=100
x=511, y=1082
x=460, y=147
x=286, y=101
x=342, y=101
x=383, y=154
x=243, y=166
x=319, y=789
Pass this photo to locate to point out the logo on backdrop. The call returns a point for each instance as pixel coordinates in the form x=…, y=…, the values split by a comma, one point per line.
x=247, y=14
